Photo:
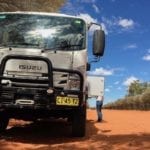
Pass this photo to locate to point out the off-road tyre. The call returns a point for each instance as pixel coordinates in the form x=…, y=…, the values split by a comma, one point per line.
x=4, y=120
x=79, y=122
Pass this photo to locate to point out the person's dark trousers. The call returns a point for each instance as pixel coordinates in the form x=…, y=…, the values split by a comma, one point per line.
x=99, y=110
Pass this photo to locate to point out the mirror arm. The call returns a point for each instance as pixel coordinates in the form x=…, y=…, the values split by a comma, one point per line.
x=93, y=23
x=96, y=59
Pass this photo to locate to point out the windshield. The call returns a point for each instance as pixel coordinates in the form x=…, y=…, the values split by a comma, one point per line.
x=42, y=31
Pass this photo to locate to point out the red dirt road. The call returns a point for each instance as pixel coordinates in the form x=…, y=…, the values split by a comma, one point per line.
x=120, y=130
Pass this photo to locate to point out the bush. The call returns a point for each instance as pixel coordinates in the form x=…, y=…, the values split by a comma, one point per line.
x=138, y=102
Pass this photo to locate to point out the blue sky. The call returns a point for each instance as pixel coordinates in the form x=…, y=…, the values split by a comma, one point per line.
x=127, y=52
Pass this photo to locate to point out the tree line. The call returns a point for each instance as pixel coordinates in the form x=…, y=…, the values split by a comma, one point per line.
x=137, y=98
x=31, y=5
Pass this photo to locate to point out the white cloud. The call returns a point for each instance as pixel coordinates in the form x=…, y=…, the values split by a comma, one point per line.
x=118, y=24
x=87, y=18
x=130, y=80
x=90, y=19
x=104, y=28
x=146, y=57
x=107, y=90
x=96, y=8
x=111, y=22
x=126, y=23
x=131, y=46
x=87, y=1
x=102, y=71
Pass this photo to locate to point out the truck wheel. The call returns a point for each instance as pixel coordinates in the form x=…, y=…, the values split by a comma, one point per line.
x=4, y=120
x=79, y=123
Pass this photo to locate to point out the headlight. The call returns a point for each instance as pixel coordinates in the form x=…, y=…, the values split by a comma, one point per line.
x=73, y=82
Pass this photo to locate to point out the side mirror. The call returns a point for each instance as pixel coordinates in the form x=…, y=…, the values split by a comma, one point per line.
x=98, y=42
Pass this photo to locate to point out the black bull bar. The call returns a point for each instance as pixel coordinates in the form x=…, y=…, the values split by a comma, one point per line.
x=37, y=58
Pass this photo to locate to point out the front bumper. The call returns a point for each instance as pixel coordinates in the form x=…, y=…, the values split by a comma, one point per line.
x=36, y=98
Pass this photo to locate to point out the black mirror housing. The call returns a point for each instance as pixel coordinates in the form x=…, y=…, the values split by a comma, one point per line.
x=98, y=42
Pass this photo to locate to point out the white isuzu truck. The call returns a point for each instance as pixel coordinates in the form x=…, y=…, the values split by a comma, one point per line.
x=43, y=64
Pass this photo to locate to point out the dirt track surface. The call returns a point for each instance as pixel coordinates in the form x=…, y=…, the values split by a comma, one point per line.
x=120, y=130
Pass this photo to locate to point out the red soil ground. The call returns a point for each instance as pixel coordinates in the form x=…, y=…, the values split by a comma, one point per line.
x=119, y=130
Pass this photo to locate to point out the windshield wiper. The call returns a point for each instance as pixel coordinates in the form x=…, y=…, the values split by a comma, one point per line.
x=62, y=46
x=24, y=44
x=5, y=46
x=18, y=44
x=69, y=47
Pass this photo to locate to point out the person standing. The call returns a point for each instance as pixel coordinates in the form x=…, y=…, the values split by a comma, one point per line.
x=99, y=104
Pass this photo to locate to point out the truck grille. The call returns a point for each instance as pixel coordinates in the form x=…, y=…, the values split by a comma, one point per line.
x=59, y=80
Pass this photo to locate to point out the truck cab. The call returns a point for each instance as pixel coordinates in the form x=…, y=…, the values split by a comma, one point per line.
x=43, y=64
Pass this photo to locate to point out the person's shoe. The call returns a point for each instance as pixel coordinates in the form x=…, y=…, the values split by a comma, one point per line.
x=99, y=120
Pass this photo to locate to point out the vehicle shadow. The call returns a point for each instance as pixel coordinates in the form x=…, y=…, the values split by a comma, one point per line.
x=45, y=132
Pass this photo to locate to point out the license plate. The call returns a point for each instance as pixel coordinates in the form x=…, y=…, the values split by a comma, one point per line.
x=69, y=101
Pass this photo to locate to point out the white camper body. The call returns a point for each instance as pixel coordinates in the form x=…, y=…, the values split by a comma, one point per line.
x=95, y=86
